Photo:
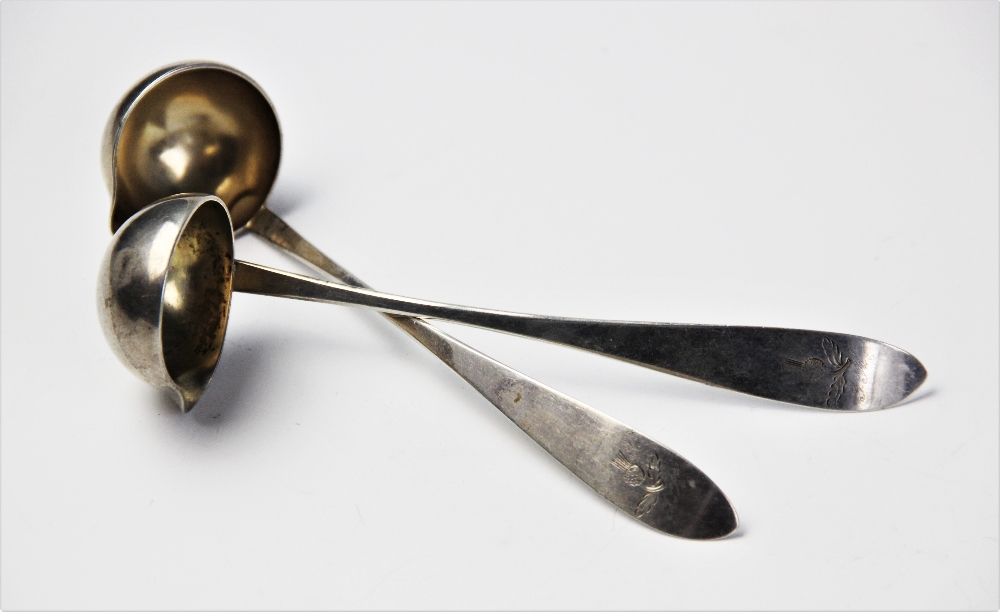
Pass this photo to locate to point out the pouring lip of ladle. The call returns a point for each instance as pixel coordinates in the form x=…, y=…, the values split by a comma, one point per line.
x=164, y=292
x=191, y=127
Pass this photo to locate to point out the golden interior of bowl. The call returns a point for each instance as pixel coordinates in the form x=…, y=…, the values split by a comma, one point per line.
x=196, y=297
x=202, y=130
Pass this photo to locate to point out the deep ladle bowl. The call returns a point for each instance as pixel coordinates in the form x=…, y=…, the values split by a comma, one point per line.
x=164, y=292
x=196, y=127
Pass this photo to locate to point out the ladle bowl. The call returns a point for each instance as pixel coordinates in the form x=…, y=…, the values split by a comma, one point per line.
x=164, y=292
x=196, y=127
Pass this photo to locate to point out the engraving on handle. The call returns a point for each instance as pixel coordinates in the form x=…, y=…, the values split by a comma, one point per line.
x=833, y=363
x=651, y=476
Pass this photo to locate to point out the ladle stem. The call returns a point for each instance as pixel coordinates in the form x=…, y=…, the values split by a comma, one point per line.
x=781, y=364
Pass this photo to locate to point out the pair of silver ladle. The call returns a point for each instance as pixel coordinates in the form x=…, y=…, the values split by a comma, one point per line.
x=201, y=142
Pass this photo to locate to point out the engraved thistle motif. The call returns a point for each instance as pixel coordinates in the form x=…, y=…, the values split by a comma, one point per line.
x=834, y=363
x=650, y=476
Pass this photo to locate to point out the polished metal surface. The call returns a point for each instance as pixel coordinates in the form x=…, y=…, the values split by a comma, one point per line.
x=820, y=369
x=164, y=296
x=196, y=127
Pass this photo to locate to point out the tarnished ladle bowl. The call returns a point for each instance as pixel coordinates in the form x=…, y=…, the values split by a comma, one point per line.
x=196, y=127
x=164, y=291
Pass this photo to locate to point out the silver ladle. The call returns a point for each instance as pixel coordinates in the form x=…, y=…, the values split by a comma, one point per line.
x=164, y=295
x=207, y=128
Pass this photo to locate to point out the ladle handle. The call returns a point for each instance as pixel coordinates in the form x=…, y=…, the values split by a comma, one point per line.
x=606, y=454
x=819, y=369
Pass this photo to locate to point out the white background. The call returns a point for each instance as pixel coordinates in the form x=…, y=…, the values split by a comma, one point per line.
x=826, y=166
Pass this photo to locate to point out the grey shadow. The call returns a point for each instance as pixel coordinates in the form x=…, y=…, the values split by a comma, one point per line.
x=251, y=363
x=165, y=402
x=287, y=197
x=692, y=391
x=669, y=390
x=241, y=368
x=916, y=397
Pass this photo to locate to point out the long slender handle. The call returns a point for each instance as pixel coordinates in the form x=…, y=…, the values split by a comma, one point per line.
x=641, y=477
x=819, y=369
